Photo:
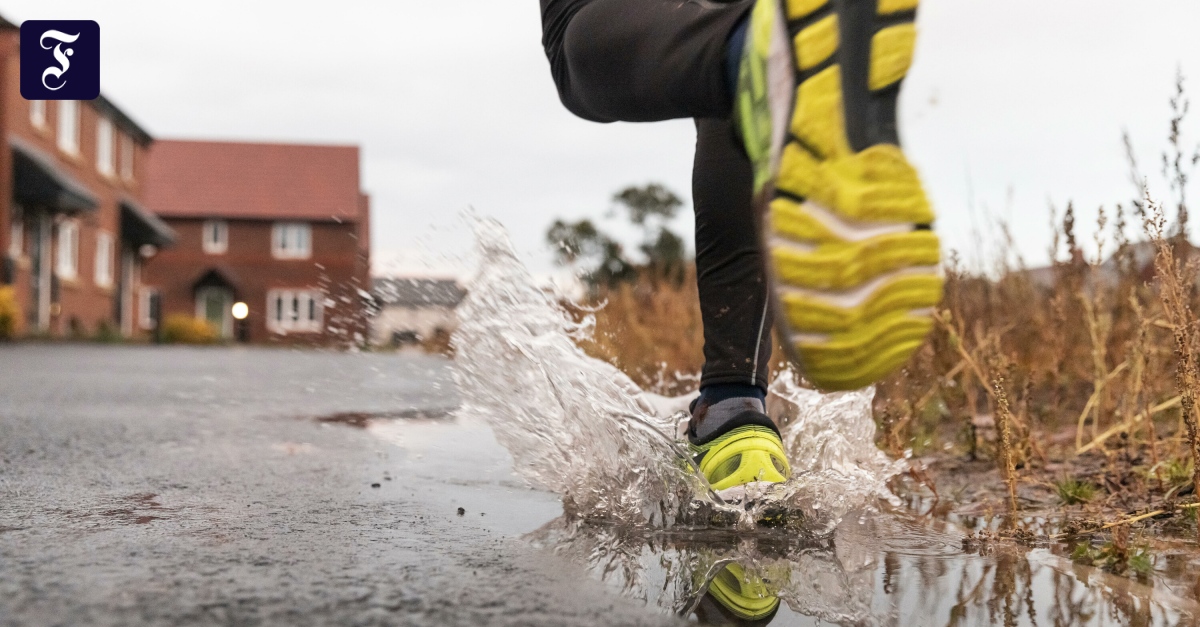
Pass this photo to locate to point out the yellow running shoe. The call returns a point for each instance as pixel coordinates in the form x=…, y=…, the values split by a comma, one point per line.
x=735, y=597
x=744, y=458
x=846, y=222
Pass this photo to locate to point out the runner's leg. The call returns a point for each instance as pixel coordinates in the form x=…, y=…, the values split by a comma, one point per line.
x=729, y=264
x=641, y=60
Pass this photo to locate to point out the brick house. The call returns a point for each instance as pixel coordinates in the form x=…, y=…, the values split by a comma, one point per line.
x=282, y=228
x=74, y=230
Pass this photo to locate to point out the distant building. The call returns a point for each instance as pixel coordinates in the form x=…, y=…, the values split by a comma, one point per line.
x=414, y=310
x=1140, y=257
x=74, y=226
x=283, y=228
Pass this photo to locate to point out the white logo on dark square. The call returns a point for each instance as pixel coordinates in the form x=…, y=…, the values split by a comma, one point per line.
x=54, y=74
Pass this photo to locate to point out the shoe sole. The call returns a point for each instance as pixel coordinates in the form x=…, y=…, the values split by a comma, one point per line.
x=852, y=256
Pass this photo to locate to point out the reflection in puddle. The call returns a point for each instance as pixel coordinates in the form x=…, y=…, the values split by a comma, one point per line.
x=876, y=570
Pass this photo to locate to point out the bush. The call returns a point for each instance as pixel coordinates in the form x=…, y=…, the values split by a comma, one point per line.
x=8, y=313
x=184, y=329
x=107, y=332
x=438, y=343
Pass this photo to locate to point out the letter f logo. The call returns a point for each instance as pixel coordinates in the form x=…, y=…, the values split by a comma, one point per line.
x=60, y=55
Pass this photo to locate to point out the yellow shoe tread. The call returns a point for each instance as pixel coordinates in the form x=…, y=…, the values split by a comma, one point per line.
x=858, y=358
x=797, y=9
x=818, y=119
x=842, y=265
x=817, y=42
x=891, y=55
x=810, y=314
x=887, y=7
x=827, y=194
x=874, y=185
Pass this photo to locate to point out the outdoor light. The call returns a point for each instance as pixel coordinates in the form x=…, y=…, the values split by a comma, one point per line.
x=240, y=311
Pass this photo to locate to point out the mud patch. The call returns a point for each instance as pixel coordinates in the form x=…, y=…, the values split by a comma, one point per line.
x=362, y=420
x=135, y=509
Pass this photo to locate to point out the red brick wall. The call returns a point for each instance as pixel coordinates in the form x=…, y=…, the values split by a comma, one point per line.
x=337, y=267
x=8, y=50
x=83, y=304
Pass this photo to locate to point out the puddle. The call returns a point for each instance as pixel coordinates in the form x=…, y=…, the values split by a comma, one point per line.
x=873, y=570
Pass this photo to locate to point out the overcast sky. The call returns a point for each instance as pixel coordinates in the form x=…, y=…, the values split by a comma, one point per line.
x=453, y=105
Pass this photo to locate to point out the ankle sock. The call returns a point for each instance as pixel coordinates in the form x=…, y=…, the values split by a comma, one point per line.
x=718, y=404
x=733, y=53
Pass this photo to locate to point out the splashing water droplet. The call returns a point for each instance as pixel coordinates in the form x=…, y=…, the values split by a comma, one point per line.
x=579, y=427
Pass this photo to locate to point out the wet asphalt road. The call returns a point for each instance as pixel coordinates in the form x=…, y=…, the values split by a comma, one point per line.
x=159, y=485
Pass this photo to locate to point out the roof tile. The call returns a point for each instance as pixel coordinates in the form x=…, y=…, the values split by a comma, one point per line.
x=253, y=180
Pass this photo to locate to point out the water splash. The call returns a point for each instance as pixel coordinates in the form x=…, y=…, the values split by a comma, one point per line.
x=830, y=443
x=579, y=427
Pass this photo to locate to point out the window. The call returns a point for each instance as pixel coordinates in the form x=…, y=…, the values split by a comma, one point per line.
x=68, y=250
x=216, y=237
x=291, y=240
x=104, y=146
x=126, y=157
x=148, y=303
x=16, y=236
x=104, y=259
x=37, y=113
x=294, y=310
x=68, y=126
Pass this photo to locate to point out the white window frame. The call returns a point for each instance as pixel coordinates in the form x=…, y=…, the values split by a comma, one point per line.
x=218, y=245
x=68, y=126
x=16, y=234
x=295, y=311
x=126, y=156
x=66, y=264
x=104, y=259
x=145, y=294
x=104, y=146
x=37, y=113
x=291, y=240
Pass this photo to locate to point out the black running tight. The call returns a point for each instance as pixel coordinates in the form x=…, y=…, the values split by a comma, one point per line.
x=651, y=60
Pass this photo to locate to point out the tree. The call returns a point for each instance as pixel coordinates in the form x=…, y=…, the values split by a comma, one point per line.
x=665, y=256
x=603, y=258
x=574, y=240
x=652, y=201
x=581, y=242
x=650, y=207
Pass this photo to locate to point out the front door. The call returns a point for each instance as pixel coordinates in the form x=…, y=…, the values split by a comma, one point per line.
x=40, y=285
x=213, y=304
x=123, y=305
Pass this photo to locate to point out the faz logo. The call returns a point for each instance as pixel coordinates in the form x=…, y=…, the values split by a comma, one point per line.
x=60, y=60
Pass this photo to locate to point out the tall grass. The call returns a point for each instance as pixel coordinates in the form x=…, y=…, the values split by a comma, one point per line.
x=651, y=329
